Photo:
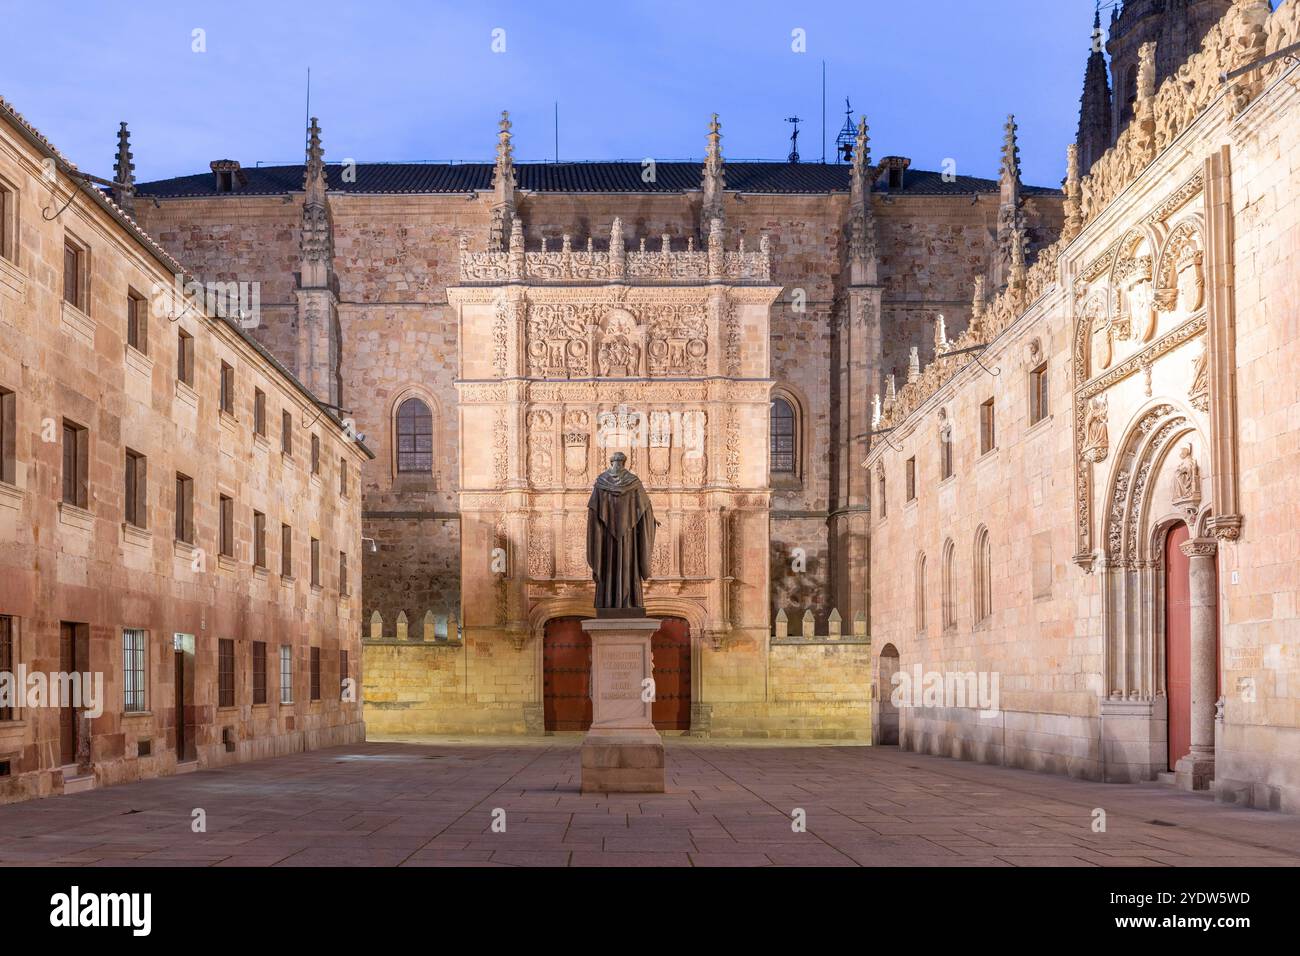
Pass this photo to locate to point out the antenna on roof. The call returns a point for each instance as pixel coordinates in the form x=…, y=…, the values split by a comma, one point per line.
x=794, y=139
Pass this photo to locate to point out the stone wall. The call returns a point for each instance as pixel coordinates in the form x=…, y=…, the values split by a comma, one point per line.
x=65, y=562
x=1163, y=322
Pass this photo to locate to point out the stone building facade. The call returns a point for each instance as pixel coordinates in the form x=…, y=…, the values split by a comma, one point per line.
x=154, y=463
x=1128, y=611
x=858, y=258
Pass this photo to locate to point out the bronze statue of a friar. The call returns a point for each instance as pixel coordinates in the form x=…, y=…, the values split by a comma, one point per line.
x=620, y=540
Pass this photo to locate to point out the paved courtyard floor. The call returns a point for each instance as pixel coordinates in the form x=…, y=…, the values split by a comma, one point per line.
x=433, y=802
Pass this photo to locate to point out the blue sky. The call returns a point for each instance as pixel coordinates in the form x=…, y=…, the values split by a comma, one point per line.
x=420, y=81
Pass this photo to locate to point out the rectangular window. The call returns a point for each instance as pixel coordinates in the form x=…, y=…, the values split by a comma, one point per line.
x=286, y=551
x=315, y=673
x=286, y=432
x=8, y=661
x=286, y=674
x=988, y=433
x=259, y=412
x=259, y=539
x=259, y=672
x=137, y=321
x=343, y=675
x=136, y=489
x=184, y=508
x=8, y=436
x=343, y=477
x=945, y=453
x=76, y=462
x=1038, y=407
x=315, y=563
x=880, y=494
x=225, y=673
x=227, y=388
x=911, y=479
x=315, y=454
x=8, y=215
x=226, y=531
x=184, y=357
x=75, y=285
x=135, y=659
x=343, y=572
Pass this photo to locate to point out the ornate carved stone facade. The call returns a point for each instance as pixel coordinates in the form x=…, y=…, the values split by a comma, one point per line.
x=1147, y=533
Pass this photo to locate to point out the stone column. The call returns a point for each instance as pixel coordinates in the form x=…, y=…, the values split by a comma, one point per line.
x=1196, y=770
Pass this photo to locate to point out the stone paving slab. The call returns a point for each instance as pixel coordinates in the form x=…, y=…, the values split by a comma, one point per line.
x=433, y=802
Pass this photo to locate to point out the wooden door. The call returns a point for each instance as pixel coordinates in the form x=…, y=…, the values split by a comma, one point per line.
x=566, y=675
x=67, y=712
x=671, y=646
x=1178, y=644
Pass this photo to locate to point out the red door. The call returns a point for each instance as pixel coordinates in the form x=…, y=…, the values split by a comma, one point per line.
x=671, y=646
x=566, y=675
x=1178, y=644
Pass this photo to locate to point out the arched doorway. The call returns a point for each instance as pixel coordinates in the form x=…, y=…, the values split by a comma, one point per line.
x=1178, y=644
x=886, y=711
x=566, y=675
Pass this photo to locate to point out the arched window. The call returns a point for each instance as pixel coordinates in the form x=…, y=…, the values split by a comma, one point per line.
x=983, y=575
x=949, y=605
x=784, y=438
x=920, y=594
x=414, y=437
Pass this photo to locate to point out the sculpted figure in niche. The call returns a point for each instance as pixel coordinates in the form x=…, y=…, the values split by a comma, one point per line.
x=1191, y=280
x=1187, y=479
x=1096, y=437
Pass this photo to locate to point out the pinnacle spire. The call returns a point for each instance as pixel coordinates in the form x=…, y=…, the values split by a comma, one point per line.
x=1010, y=174
x=314, y=181
x=124, y=173
x=713, y=178
x=503, y=187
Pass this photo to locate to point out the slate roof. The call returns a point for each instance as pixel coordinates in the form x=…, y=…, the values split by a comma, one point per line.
x=578, y=177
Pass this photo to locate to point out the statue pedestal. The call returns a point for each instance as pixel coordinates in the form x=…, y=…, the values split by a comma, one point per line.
x=622, y=753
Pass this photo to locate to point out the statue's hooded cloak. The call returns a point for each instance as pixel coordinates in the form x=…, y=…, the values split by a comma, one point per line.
x=620, y=539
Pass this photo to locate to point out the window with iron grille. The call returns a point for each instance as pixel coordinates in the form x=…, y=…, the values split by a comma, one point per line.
x=286, y=674
x=414, y=437
x=782, y=437
x=315, y=673
x=135, y=658
x=76, y=462
x=8, y=660
x=225, y=673
x=259, y=672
